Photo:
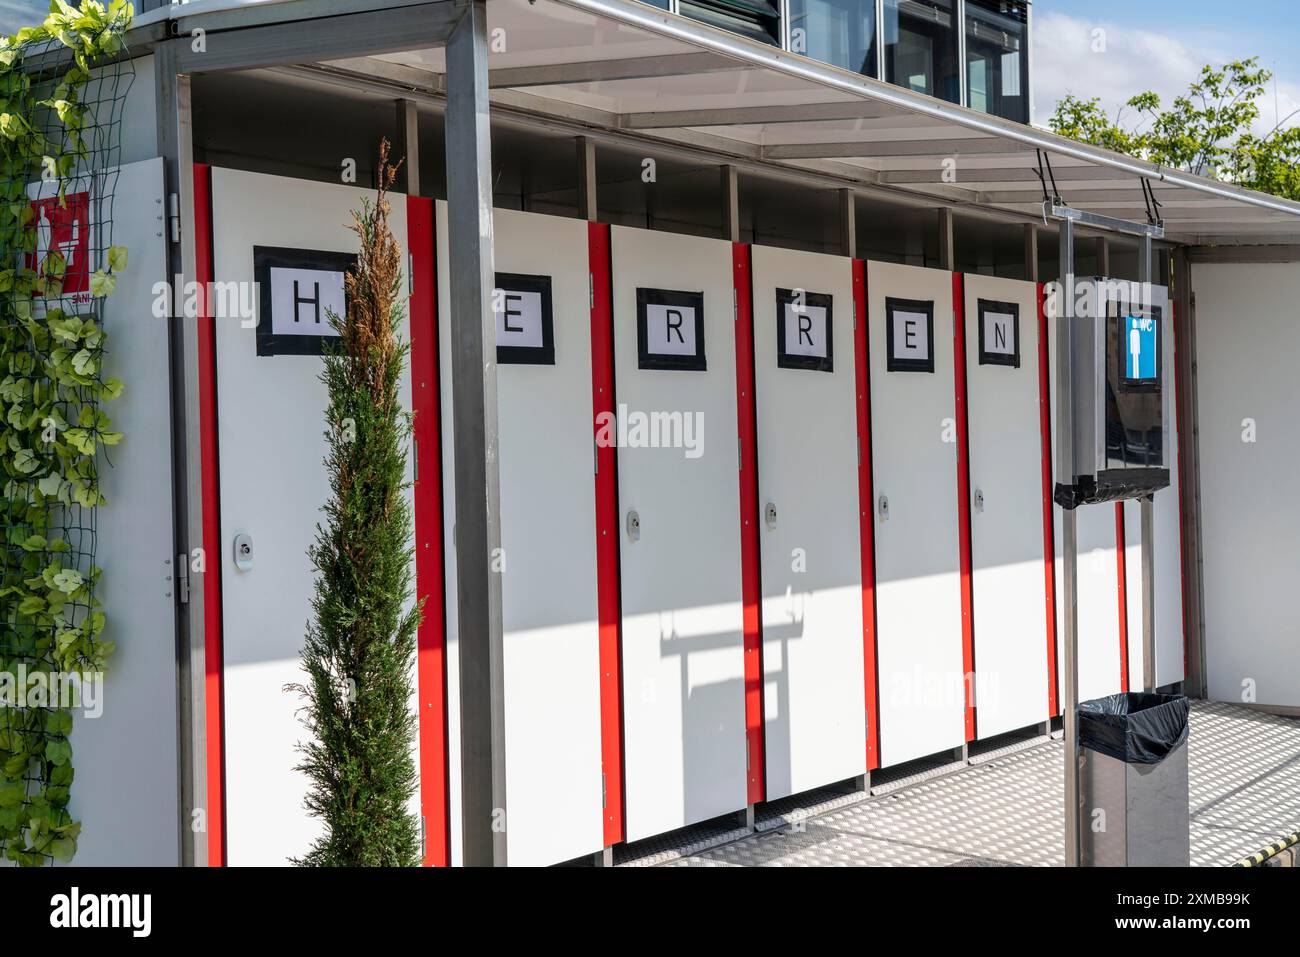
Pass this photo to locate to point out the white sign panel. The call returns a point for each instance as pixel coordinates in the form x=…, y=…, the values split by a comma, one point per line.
x=999, y=333
x=524, y=319
x=909, y=335
x=298, y=290
x=804, y=338
x=670, y=329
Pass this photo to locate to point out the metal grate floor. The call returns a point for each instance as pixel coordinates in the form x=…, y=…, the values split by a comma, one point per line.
x=1006, y=810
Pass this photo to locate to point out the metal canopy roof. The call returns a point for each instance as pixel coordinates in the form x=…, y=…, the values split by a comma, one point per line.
x=619, y=67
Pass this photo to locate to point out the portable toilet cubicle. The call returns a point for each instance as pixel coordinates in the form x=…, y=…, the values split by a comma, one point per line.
x=899, y=559
x=944, y=624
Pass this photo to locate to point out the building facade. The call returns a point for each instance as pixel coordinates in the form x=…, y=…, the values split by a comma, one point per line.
x=918, y=44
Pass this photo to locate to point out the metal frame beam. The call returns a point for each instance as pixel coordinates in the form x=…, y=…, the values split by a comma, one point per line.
x=325, y=38
x=763, y=115
x=870, y=149
x=176, y=146
x=477, y=532
x=627, y=68
x=1080, y=217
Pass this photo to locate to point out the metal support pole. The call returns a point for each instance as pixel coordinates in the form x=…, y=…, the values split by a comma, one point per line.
x=1103, y=256
x=176, y=146
x=849, y=223
x=477, y=531
x=730, y=204
x=1145, y=269
x=587, y=179
x=1065, y=470
x=947, y=248
x=408, y=146
x=1031, y=252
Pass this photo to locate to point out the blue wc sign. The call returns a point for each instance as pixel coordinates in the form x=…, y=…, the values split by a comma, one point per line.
x=1141, y=349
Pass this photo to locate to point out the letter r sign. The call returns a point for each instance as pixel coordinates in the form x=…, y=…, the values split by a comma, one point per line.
x=670, y=330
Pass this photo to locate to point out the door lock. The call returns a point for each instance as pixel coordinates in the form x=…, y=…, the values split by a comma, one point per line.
x=769, y=514
x=633, y=526
x=883, y=507
x=244, y=552
x=979, y=500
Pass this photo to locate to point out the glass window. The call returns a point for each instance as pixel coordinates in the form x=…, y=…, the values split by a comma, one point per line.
x=921, y=47
x=757, y=19
x=997, y=58
x=839, y=32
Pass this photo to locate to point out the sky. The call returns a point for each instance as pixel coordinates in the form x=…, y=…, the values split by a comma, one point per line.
x=1161, y=45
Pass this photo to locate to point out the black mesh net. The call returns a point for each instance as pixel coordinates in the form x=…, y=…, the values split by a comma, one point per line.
x=59, y=176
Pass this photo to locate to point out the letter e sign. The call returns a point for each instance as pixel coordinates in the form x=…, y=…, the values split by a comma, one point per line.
x=670, y=330
x=524, y=320
x=804, y=331
x=999, y=333
x=909, y=335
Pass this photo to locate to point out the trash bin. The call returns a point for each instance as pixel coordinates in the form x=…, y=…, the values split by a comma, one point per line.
x=1133, y=781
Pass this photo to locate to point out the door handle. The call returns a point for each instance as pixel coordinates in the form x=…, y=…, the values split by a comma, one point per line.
x=769, y=515
x=882, y=507
x=979, y=500
x=633, y=526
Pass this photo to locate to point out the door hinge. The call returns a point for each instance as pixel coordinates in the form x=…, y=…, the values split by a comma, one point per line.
x=415, y=460
x=183, y=579
x=604, y=796
x=174, y=216
x=735, y=305
x=595, y=456
x=423, y=830
x=746, y=754
x=410, y=274
x=591, y=292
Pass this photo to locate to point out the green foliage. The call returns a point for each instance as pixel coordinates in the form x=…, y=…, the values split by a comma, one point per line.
x=51, y=428
x=360, y=647
x=1209, y=130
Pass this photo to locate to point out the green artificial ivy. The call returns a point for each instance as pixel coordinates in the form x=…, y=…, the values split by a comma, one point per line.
x=51, y=426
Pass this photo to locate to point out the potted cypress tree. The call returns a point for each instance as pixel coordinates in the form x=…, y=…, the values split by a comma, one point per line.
x=360, y=646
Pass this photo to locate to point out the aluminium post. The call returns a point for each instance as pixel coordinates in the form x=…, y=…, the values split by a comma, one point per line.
x=477, y=529
x=1065, y=472
x=1145, y=264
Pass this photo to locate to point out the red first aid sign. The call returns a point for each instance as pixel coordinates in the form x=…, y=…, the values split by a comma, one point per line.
x=64, y=230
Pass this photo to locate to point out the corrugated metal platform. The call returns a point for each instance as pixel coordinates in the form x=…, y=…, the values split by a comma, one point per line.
x=1006, y=809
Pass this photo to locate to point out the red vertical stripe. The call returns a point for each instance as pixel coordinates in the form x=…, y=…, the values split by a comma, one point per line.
x=745, y=422
x=1049, y=536
x=607, y=568
x=431, y=665
x=214, y=705
x=866, y=513
x=1121, y=569
x=963, y=499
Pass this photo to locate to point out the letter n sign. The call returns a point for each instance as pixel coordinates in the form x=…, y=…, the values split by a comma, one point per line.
x=298, y=291
x=999, y=333
x=804, y=330
x=670, y=330
x=909, y=335
x=525, y=324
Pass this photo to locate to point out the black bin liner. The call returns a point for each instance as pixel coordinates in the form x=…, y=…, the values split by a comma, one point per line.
x=1135, y=727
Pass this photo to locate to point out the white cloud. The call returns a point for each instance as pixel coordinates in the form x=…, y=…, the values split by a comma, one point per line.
x=1098, y=58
